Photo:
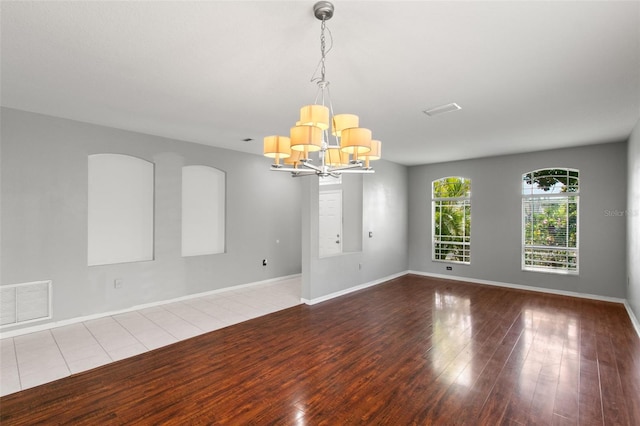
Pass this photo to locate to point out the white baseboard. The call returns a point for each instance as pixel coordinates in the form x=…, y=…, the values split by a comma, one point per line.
x=523, y=287
x=352, y=289
x=632, y=317
x=55, y=324
x=50, y=325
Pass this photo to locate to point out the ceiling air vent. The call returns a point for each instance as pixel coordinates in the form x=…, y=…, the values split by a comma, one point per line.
x=442, y=109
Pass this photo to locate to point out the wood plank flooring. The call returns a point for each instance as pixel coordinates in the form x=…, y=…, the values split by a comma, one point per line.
x=413, y=351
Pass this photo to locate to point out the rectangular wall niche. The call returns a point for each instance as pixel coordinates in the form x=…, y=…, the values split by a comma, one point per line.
x=203, y=210
x=120, y=211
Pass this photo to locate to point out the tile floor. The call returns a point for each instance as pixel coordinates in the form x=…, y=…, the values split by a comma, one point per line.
x=33, y=359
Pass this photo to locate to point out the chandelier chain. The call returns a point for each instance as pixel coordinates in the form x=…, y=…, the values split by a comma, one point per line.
x=322, y=49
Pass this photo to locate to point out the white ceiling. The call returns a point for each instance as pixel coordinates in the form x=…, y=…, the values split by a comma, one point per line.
x=529, y=75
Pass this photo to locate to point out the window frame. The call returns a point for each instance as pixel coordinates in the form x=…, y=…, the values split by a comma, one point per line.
x=463, y=202
x=567, y=196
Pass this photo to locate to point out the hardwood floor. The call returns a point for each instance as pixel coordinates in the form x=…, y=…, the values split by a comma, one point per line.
x=414, y=350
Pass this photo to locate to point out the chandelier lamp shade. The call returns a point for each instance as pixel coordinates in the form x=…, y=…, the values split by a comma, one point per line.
x=336, y=141
x=314, y=115
x=306, y=138
x=344, y=121
x=277, y=147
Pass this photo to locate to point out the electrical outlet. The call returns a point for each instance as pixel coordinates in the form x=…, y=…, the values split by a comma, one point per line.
x=117, y=283
x=449, y=268
x=264, y=262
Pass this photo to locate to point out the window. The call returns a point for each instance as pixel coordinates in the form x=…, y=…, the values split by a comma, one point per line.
x=550, y=220
x=203, y=210
x=120, y=209
x=451, y=200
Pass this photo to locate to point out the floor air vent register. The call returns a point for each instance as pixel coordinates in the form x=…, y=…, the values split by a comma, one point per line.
x=26, y=302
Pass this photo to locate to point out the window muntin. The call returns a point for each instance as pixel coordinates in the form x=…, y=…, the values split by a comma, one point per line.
x=550, y=201
x=451, y=209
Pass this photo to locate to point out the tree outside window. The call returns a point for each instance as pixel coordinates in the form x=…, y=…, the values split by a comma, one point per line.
x=550, y=220
x=451, y=203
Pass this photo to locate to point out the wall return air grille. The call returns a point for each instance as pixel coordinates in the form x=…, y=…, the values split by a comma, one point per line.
x=26, y=302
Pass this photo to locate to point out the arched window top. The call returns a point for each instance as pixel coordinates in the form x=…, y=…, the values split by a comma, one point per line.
x=451, y=187
x=196, y=168
x=548, y=181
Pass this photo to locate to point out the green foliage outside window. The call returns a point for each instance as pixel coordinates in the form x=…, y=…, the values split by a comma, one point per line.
x=551, y=181
x=550, y=209
x=451, y=219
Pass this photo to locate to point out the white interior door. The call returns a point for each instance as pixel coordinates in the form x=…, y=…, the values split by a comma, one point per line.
x=330, y=223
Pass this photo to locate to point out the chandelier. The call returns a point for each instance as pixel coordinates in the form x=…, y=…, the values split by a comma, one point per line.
x=340, y=144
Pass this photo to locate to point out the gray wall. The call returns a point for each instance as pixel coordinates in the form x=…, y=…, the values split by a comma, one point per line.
x=384, y=206
x=44, y=219
x=44, y=216
x=496, y=218
x=633, y=222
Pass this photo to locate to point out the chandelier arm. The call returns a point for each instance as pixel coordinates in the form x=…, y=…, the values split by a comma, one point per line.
x=311, y=166
x=358, y=171
x=293, y=170
x=349, y=167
